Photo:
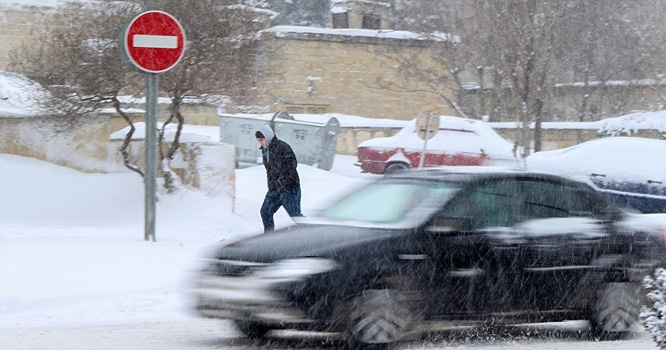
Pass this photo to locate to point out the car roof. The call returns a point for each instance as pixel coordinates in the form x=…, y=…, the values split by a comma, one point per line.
x=467, y=174
x=457, y=135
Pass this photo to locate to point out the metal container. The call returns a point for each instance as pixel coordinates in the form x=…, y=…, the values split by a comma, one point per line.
x=314, y=143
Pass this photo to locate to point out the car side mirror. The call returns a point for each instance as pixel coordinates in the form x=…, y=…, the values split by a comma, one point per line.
x=449, y=225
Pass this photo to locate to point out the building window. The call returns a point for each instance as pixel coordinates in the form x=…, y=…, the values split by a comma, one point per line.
x=371, y=21
x=340, y=20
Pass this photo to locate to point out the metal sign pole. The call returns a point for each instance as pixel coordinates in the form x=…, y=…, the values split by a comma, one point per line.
x=431, y=114
x=152, y=82
x=152, y=42
x=425, y=141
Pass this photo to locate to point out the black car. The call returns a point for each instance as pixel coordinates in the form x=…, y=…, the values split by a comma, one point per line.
x=647, y=197
x=411, y=250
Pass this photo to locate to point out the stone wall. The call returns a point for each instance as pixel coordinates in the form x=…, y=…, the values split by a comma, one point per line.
x=551, y=139
x=338, y=73
x=21, y=25
x=349, y=138
x=301, y=73
x=306, y=71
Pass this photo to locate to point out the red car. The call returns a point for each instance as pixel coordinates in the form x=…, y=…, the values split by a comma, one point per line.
x=458, y=142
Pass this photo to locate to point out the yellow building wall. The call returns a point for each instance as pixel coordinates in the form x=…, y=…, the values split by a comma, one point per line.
x=19, y=26
x=338, y=74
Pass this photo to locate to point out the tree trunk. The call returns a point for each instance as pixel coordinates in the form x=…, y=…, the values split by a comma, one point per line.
x=127, y=140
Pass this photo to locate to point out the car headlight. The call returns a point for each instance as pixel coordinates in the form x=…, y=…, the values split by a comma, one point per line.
x=295, y=268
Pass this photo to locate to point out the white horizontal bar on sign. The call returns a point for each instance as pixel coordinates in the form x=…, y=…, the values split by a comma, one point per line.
x=156, y=41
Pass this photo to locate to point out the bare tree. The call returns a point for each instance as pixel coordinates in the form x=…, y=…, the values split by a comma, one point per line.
x=505, y=48
x=220, y=50
x=78, y=63
x=652, y=30
x=520, y=35
x=514, y=56
x=598, y=44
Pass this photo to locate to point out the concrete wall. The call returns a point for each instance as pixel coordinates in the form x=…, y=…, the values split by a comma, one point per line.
x=194, y=114
x=85, y=147
x=205, y=166
x=208, y=167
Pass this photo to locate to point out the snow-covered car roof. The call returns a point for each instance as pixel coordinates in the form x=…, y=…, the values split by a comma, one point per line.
x=455, y=135
x=631, y=159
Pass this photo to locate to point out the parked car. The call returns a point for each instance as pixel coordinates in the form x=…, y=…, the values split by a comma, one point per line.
x=458, y=142
x=630, y=171
x=464, y=246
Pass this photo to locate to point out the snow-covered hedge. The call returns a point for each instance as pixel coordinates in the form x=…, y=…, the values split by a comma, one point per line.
x=653, y=314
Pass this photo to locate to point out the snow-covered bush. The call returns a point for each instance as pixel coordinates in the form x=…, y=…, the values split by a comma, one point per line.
x=653, y=314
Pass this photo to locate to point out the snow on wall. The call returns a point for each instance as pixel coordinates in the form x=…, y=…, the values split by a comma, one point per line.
x=79, y=148
x=208, y=167
x=202, y=165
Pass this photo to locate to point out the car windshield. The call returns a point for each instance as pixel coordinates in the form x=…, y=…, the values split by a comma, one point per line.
x=391, y=203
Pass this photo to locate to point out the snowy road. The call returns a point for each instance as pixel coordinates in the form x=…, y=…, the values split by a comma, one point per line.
x=75, y=272
x=211, y=334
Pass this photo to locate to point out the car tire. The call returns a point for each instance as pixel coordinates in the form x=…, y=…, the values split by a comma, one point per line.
x=252, y=330
x=379, y=317
x=615, y=310
x=395, y=168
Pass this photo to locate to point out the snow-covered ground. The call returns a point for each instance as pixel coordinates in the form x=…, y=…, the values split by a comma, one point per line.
x=74, y=266
x=72, y=247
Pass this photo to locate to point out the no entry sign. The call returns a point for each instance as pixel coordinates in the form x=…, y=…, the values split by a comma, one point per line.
x=153, y=42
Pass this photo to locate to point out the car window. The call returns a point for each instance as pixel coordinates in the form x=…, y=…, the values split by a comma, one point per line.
x=493, y=204
x=388, y=202
x=553, y=200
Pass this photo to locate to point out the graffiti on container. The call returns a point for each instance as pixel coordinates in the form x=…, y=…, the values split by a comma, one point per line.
x=300, y=134
x=246, y=129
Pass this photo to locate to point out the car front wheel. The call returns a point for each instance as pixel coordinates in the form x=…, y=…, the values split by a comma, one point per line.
x=615, y=310
x=380, y=317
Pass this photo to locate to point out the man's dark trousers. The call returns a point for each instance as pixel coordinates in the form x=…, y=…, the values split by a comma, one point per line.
x=290, y=200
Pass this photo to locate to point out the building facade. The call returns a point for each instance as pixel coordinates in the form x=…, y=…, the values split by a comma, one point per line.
x=337, y=69
x=311, y=70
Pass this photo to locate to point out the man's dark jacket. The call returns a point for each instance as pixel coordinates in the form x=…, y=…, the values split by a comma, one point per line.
x=281, y=166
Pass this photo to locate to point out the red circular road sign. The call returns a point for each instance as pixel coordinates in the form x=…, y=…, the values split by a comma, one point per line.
x=154, y=41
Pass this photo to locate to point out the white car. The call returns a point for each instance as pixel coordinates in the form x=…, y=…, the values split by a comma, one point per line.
x=631, y=170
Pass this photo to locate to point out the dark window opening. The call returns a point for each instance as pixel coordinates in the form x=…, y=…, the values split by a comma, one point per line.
x=371, y=21
x=340, y=20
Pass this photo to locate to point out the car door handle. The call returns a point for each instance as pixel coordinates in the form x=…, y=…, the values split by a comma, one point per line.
x=506, y=246
x=466, y=272
x=412, y=256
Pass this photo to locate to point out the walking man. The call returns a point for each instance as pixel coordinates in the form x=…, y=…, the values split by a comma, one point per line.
x=284, y=186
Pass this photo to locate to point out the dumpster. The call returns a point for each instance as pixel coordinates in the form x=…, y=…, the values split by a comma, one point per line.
x=313, y=143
